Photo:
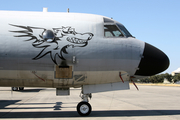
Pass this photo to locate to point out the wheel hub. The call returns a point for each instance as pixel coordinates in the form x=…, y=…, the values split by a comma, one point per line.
x=84, y=109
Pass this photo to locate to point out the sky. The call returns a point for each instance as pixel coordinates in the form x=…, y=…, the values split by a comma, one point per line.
x=156, y=22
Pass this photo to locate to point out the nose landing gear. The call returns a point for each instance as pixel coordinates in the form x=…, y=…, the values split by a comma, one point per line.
x=84, y=108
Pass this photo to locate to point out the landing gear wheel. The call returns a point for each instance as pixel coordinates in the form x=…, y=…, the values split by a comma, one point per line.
x=84, y=108
x=21, y=88
x=14, y=88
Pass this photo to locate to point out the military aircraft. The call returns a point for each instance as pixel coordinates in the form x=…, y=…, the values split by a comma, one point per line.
x=72, y=50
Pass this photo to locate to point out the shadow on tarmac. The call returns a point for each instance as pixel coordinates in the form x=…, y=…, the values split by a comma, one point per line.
x=4, y=103
x=110, y=113
x=26, y=90
x=58, y=113
x=29, y=90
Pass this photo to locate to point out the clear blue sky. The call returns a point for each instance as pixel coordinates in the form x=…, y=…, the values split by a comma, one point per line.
x=154, y=21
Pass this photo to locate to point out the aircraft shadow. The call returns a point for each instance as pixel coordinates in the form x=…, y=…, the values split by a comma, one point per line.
x=29, y=90
x=110, y=113
x=58, y=112
x=4, y=103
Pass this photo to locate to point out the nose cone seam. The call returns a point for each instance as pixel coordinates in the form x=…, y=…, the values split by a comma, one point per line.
x=153, y=62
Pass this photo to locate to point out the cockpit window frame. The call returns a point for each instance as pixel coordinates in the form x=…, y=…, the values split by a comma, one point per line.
x=122, y=29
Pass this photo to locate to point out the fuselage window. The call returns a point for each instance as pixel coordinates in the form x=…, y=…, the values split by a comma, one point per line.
x=112, y=31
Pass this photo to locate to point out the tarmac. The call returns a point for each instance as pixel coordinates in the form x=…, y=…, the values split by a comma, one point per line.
x=150, y=102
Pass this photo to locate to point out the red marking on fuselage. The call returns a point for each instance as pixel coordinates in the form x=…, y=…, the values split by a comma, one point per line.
x=38, y=76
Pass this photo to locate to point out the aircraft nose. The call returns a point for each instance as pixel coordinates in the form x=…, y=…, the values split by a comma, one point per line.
x=153, y=61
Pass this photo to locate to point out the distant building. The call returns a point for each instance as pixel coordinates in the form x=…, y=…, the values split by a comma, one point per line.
x=175, y=72
x=166, y=81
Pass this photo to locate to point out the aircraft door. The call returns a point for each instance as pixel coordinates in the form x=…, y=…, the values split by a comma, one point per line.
x=63, y=76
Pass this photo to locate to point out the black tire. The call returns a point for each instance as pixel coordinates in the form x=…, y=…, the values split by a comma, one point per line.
x=21, y=88
x=84, y=108
x=14, y=88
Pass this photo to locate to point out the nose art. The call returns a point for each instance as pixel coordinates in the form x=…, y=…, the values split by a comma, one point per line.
x=153, y=62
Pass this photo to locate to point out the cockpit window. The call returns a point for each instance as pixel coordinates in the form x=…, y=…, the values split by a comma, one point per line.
x=124, y=30
x=112, y=31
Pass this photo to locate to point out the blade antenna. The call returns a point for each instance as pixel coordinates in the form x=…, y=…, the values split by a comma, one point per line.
x=134, y=82
x=121, y=77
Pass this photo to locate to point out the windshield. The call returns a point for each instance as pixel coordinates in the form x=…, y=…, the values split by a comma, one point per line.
x=124, y=30
x=112, y=31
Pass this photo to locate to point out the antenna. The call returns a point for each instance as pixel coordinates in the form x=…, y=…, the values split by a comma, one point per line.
x=68, y=10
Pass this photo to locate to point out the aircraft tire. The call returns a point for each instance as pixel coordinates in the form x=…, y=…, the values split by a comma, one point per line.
x=14, y=88
x=21, y=88
x=84, y=108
